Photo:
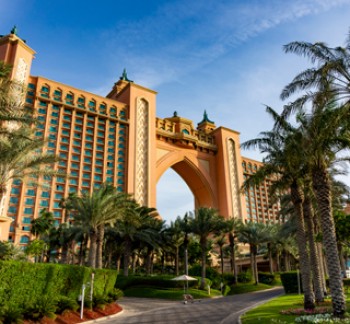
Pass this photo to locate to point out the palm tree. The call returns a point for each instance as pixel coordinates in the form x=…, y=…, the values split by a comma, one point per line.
x=203, y=222
x=220, y=241
x=284, y=162
x=177, y=239
x=103, y=206
x=253, y=234
x=330, y=65
x=231, y=228
x=21, y=158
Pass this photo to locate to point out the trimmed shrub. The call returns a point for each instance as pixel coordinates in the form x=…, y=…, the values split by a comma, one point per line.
x=43, y=306
x=245, y=276
x=290, y=282
x=229, y=278
x=11, y=313
x=267, y=278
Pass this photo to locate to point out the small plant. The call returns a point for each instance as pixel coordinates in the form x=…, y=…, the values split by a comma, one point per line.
x=100, y=301
x=66, y=303
x=115, y=294
x=11, y=313
x=44, y=306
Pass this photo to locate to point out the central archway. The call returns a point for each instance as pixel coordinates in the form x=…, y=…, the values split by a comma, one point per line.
x=194, y=173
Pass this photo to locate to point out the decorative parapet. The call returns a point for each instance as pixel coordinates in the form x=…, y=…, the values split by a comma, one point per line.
x=181, y=132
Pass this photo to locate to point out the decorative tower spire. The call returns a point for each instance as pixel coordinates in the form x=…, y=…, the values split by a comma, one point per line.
x=206, y=119
x=124, y=76
x=14, y=30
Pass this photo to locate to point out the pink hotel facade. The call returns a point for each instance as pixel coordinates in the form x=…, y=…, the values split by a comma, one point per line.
x=119, y=139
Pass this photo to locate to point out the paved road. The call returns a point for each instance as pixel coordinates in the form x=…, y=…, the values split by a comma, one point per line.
x=224, y=310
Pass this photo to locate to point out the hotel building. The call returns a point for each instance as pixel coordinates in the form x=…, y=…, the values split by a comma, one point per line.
x=118, y=139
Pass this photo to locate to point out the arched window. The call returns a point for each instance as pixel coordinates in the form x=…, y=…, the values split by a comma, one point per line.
x=57, y=95
x=70, y=98
x=24, y=239
x=45, y=91
x=185, y=131
x=81, y=102
x=92, y=105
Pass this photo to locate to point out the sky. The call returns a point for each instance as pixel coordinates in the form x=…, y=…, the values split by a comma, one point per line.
x=221, y=56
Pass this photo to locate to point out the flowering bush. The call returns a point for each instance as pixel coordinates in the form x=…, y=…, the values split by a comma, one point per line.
x=302, y=311
x=320, y=318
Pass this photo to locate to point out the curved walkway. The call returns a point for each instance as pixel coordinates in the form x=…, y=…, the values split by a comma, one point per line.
x=225, y=310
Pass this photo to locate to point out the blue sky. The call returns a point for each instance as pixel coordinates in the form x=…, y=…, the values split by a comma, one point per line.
x=222, y=56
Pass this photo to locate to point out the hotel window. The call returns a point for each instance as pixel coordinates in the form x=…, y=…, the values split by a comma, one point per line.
x=53, y=129
x=120, y=181
x=59, y=188
x=113, y=112
x=79, y=114
x=109, y=171
x=100, y=140
x=63, y=155
x=89, y=131
x=74, y=173
x=44, y=92
x=60, y=179
x=58, y=196
x=110, y=157
x=31, y=85
x=98, y=162
x=74, y=165
x=29, y=100
x=91, y=118
x=72, y=189
x=90, y=124
x=101, y=134
x=42, y=111
x=44, y=203
x=76, y=150
x=12, y=209
x=81, y=102
x=88, y=160
x=66, y=125
x=57, y=214
x=57, y=95
x=99, y=170
x=89, y=138
x=68, y=118
x=92, y=105
x=79, y=121
x=29, y=201
x=69, y=98
x=64, y=139
x=122, y=115
x=15, y=191
x=62, y=163
x=73, y=182
x=103, y=109
x=28, y=210
x=45, y=194
x=109, y=179
x=55, y=107
x=86, y=183
x=54, y=121
x=77, y=143
x=26, y=220
x=77, y=135
x=111, y=143
x=24, y=239
x=112, y=136
x=88, y=145
x=63, y=147
x=99, y=147
x=56, y=204
x=30, y=192
x=75, y=158
x=88, y=153
x=14, y=200
x=39, y=134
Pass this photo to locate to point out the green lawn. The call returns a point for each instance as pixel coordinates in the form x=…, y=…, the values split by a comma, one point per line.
x=171, y=294
x=241, y=288
x=270, y=311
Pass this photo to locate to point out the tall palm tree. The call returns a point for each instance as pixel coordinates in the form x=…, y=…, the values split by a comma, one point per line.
x=103, y=206
x=203, y=222
x=253, y=234
x=284, y=162
x=231, y=228
x=177, y=239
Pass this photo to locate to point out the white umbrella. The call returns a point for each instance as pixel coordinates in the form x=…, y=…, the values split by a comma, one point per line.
x=184, y=278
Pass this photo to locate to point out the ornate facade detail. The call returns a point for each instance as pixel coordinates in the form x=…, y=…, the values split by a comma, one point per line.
x=232, y=163
x=142, y=152
x=21, y=72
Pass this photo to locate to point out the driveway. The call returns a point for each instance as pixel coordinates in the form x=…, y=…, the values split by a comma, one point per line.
x=225, y=310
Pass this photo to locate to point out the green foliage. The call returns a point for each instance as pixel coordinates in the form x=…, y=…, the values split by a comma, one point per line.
x=43, y=306
x=100, y=301
x=229, y=278
x=11, y=313
x=290, y=282
x=245, y=276
x=31, y=286
x=211, y=274
x=115, y=294
x=66, y=303
x=35, y=248
x=267, y=278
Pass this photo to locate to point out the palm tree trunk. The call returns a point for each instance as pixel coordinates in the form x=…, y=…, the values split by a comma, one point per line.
x=309, y=215
x=322, y=188
x=297, y=196
x=270, y=257
x=222, y=262
x=233, y=256
x=126, y=259
x=204, y=261
x=92, y=251
x=255, y=264
x=177, y=260
x=322, y=267
x=99, y=245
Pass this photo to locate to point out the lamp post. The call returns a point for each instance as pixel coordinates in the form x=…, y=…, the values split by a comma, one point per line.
x=185, y=246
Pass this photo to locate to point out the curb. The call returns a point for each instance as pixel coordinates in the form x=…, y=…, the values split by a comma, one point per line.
x=103, y=318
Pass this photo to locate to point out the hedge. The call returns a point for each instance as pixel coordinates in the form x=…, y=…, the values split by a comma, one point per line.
x=290, y=282
x=267, y=278
x=24, y=283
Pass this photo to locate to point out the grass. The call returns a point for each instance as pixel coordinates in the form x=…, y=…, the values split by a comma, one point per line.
x=170, y=294
x=270, y=311
x=241, y=288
